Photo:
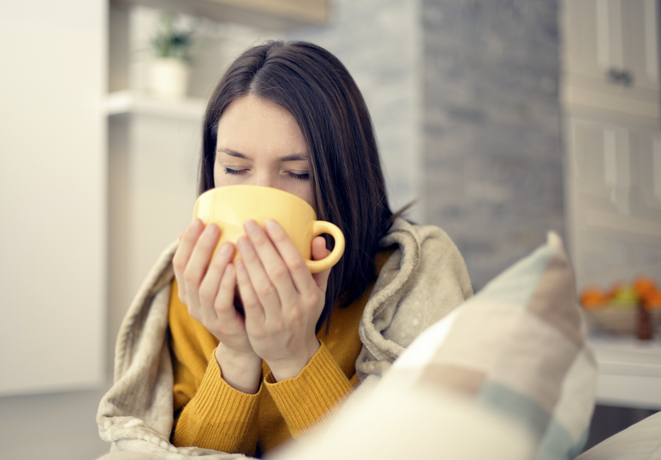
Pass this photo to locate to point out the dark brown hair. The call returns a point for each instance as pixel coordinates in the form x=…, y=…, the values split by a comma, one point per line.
x=347, y=180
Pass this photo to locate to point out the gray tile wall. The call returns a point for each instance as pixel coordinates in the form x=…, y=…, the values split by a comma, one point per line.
x=464, y=97
x=492, y=142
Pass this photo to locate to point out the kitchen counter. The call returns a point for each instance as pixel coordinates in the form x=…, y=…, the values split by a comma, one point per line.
x=629, y=371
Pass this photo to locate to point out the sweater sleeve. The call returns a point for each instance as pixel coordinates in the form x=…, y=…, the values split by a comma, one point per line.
x=212, y=414
x=310, y=396
x=219, y=417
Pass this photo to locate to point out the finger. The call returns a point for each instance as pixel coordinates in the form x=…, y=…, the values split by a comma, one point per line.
x=252, y=308
x=212, y=279
x=186, y=245
x=275, y=268
x=224, y=304
x=319, y=251
x=261, y=283
x=199, y=259
x=300, y=273
x=187, y=240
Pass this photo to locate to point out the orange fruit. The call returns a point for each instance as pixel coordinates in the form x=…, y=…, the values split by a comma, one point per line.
x=645, y=285
x=653, y=301
x=592, y=298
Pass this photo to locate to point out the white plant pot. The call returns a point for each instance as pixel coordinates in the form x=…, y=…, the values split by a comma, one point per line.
x=168, y=78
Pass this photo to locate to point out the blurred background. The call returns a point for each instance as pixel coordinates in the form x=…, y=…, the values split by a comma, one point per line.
x=502, y=119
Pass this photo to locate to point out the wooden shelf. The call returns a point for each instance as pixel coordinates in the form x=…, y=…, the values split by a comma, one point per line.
x=266, y=14
x=133, y=103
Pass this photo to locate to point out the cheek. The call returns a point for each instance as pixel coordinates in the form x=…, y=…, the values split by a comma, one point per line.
x=221, y=178
x=308, y=195
x=302, y=189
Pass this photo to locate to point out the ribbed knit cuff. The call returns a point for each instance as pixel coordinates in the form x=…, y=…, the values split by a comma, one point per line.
x=308, y=398
x=219, y=416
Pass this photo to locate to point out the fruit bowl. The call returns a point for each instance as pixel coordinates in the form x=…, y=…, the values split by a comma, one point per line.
x=619, y=320
x=616, y=309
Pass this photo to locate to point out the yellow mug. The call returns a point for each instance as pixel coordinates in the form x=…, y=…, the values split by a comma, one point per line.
x=232, y=205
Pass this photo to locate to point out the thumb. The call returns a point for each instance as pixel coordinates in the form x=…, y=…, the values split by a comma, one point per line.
x=319, y=251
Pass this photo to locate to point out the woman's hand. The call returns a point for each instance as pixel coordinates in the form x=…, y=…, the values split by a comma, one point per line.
x=281, y=298
x=206, y=287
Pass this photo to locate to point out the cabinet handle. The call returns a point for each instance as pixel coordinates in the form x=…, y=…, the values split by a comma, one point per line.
x=619, y=77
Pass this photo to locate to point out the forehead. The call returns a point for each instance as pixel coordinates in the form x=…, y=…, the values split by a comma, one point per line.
x=255, y=126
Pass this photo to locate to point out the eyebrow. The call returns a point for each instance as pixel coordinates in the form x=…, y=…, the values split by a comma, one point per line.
x=234, y=153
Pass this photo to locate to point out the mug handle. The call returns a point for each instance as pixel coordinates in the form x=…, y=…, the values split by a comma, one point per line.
x=320, y=227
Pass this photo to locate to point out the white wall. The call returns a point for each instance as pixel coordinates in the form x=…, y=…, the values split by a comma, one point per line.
x=53, y=232
x=52, y=195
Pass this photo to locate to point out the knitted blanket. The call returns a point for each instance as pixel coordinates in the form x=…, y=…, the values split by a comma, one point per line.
x=421, y=282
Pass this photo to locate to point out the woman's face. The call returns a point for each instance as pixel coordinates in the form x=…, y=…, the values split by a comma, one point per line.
x=260, y=143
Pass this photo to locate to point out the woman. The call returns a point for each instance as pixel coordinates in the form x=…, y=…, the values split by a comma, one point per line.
x=287, y=116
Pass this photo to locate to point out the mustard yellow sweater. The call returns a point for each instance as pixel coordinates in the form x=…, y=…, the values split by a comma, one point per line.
x=214, y=415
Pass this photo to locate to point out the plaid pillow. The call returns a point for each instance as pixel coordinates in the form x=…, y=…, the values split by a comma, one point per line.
x=518, y=348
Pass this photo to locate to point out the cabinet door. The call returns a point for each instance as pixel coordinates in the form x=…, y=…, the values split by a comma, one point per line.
x=52, y=195
x=614, y=194
x=606, y=36
x=610, y=56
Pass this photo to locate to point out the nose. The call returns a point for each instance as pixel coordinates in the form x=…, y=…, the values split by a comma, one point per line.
x=264, y=180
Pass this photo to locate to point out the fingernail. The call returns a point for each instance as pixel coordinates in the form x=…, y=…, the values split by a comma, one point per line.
x=271, y=225
x=243, y=243
x=251, y=226
x=211, y=230
x=225, y=249
x=196, y=224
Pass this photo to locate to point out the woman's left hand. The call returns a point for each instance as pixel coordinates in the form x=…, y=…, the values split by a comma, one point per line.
x=282, y=300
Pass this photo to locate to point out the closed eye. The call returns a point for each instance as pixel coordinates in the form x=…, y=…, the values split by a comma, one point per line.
x=236, y=172
x=300, y=176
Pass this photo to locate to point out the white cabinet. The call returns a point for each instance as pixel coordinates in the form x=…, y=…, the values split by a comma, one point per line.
x=610, y=96
x=611, y=55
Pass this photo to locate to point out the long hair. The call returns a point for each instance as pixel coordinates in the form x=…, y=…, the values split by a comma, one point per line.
x=347, y=180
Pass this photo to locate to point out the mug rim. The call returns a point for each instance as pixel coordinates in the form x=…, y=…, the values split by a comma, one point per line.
x=260, y=187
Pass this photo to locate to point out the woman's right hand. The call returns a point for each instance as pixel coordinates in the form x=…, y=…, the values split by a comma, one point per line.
x=206, y=286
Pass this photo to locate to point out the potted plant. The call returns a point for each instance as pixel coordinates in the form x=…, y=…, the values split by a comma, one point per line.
x=168, y=76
